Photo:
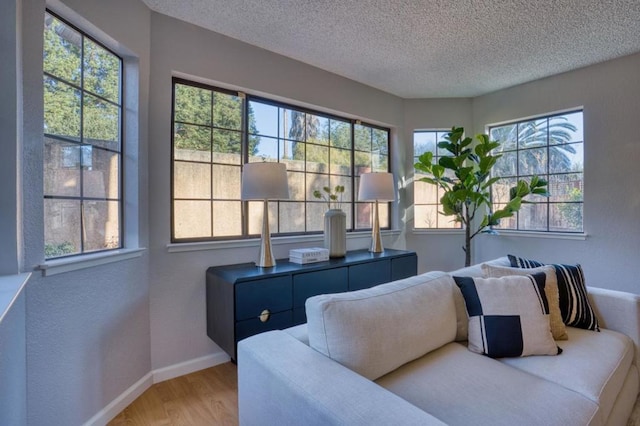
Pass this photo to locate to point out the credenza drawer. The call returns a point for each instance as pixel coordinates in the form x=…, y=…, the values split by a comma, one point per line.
x=252, y=326
x=318, y=282
x=253, y=297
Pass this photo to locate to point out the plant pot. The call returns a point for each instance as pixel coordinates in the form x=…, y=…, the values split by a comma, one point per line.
x=335, y=232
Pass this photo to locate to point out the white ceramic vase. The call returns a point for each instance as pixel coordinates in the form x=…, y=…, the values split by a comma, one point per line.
x=335, y=232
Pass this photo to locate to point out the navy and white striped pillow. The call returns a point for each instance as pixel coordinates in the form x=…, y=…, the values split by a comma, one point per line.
x=574, y=303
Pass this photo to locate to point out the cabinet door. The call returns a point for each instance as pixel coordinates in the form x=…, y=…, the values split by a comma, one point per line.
x=253, y=297
x=310, y=284
x=368, y=274
x=404, y=267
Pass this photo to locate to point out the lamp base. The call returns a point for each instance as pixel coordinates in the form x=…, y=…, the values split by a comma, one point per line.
x=266, y=258
x=376, y=239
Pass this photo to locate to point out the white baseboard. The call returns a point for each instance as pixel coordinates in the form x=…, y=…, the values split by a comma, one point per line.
x=155, y=376
x=186, y=367
x=103, y=416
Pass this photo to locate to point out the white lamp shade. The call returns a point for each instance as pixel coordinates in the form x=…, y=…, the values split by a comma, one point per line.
x=265, y=181
x=376, y=186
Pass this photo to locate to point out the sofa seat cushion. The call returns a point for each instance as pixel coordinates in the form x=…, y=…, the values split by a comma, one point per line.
x=463, y=388
x=592, y=364
x=376, y=330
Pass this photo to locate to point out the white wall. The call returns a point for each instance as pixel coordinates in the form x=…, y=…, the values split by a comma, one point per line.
x=88, y=337
x=610, y=95
x=178, y=325
x=13, y=365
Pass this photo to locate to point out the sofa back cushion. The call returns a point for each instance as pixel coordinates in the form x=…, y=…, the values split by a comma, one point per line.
x=376, y=330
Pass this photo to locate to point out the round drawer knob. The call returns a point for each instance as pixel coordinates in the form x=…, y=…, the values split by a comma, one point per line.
x=264, y=315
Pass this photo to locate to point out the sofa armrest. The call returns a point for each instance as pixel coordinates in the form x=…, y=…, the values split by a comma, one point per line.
x=618, y=311
x=285, y=382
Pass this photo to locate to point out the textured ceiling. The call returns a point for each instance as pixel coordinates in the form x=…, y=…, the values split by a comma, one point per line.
x=429, y=48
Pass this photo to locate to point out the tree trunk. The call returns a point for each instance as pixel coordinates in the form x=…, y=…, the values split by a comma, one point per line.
x=467, y=246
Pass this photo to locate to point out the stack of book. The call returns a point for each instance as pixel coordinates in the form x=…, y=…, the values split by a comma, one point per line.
x=308, y=255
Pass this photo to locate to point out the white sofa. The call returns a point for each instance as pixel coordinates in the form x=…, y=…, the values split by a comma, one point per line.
x=400, y=364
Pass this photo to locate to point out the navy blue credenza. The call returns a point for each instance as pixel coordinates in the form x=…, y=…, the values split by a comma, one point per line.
x=243, y=300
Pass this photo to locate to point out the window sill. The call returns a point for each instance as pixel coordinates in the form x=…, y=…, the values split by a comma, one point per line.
x=275, y=241
x=538, y=234
x=10, y=288
x=59, y=266
x=443, y=231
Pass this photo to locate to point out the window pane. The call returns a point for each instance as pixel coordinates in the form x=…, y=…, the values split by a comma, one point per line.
x=100, y=176
x=500, y=190
x=532, y=161
x=317, y=158
x=61, y=168
x=425, y=216
x=296, y=185
x=255, y=217
x=101, y=225
x=192, y=104
x=266, y=118
x=101, y=72
x=227, y=218
x=315, y=216
x=424, y=193
x=506, y=165
x=507, y=222
x=506, y=135
x=340, y=161
x=316, y=182
x=363, y=162
x=192, y=143
x=227, y=147
x=380, y=139
x=340, y=134
x=362, y=137
x=383, y=215
x=566, y=158
x=101, y=123
x=380, y=163
x=424, y=142
x=532, y=133
x=62, y=50
x=364, y=215
x=266, y=149
x=532, y=217
x=226, y=182
x=317, y=129
x=566, y=187
x=292, y=217
x=61, y=109
x=293, y=124
x=292, y=154
x=566, y=128
x=346, y=196
x=191, y=180
x=227, y=111
x=566, y=216
x=61, y=230
x=192, y=219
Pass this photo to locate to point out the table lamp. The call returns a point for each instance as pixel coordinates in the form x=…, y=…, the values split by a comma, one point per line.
x=376, y=187
x=265, y=181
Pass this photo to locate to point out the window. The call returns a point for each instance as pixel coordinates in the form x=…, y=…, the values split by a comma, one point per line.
x=426, y=197
x=216, y=131
x=82, y=142
x=551, y=147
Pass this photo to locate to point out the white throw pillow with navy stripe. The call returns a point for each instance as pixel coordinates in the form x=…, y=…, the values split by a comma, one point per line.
x=508, y=316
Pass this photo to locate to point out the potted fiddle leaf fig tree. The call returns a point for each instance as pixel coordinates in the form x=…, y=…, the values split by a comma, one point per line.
x=464, y=176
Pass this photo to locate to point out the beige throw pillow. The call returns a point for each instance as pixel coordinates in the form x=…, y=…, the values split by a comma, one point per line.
x=557, y=325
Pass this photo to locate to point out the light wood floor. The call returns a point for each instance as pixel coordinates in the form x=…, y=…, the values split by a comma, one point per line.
x=206, y=397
